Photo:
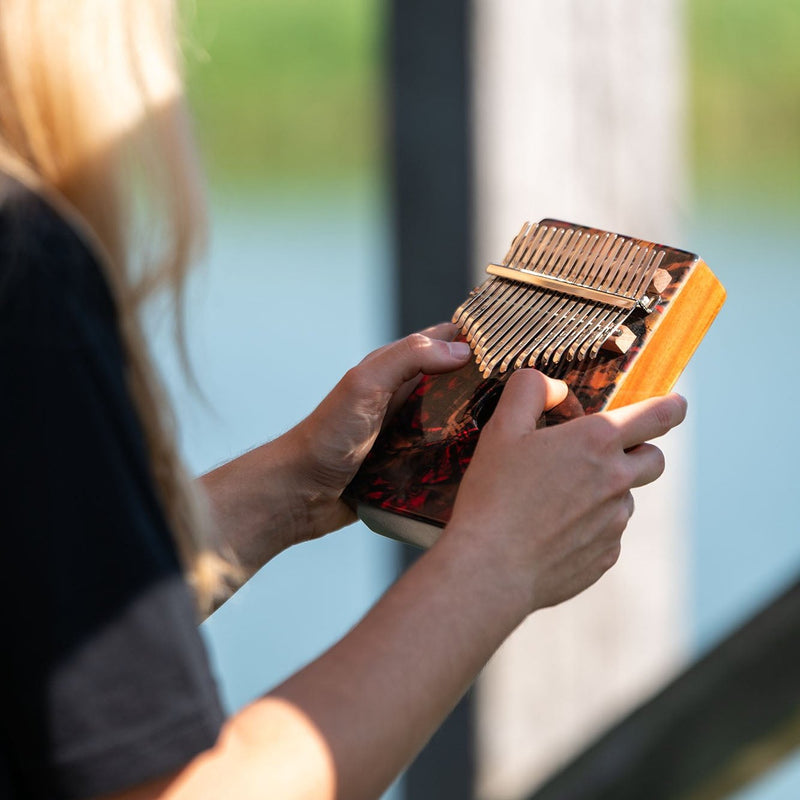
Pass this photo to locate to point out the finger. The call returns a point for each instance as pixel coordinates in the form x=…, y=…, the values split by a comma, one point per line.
x=648, y=419
x=401, y=395
x=646, y=463
x=630, y=505
x=527, y=394
x=445, y=331
x=387, y=369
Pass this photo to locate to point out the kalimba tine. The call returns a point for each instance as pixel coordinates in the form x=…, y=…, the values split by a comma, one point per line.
x=616, y=318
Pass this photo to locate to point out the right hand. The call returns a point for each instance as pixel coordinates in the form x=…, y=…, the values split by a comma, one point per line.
x=548, y=507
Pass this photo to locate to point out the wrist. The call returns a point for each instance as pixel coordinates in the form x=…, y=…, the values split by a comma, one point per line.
x=252, y=501
x=495, y=576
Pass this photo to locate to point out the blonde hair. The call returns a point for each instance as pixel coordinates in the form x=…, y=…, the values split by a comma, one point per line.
x=92, y=113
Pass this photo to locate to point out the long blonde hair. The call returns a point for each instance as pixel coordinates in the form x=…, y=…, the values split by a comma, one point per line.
x=92, y=113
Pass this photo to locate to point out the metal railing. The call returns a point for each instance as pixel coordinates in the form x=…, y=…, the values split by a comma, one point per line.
x=726, y=720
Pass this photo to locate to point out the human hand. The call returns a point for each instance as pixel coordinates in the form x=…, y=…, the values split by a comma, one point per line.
x=333, y=441
x=548, y=507
x=289, y=490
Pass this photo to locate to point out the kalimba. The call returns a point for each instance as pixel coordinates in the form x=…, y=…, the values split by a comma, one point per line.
x=616, y=318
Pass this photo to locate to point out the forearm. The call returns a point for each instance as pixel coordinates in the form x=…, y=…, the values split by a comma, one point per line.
x=400, y=672
x=538, y=518
x=355, y=717
x=252, y=499
x=289, y=490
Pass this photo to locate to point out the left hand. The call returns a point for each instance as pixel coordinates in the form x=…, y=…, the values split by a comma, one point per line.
x=334, y=440
x=289, y=490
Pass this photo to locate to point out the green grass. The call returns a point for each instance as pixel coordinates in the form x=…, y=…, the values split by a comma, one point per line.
x=286, y=89
x=745, y=82
x=290, y=91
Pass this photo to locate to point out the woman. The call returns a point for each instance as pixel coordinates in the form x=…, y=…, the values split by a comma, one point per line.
x=107, y=691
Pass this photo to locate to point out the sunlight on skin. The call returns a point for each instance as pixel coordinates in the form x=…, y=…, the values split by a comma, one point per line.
x=290, y=750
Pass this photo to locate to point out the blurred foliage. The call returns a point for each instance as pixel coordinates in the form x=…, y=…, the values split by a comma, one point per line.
x=291, y=90
x=745, y=82
x=285, y=89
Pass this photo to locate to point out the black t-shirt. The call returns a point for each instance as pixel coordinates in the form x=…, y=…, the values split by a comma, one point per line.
x=104, y=680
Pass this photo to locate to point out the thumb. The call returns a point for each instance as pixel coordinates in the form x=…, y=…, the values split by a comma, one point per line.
x=390, y=367
x=527, y=395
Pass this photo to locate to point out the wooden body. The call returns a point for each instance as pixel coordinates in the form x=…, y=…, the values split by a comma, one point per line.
x=408, y=483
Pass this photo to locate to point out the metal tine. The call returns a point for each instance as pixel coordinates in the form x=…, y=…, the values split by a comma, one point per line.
x=581, y=317
x=574, y=264
x=578, y=334
x=532, y=234
x=641, y=270
x=475, y=307
x=591, y=277
x=608, y=266
x=604, y=263
x=538, y=338
x=609, y=328
x=604, y=328
x=596, y=245
x=471, y=317
x=488, y=288
x=516, y=307
x=635, y=270
x=501, y=320
x=555, y=243
x=621, y=275
x=478, y=295
x=544, y=344
x=490, y=320
x=555, y=254
x=498, y=302
x=551, y=265
x=577, y=324
x=502, y=347
x=517, y=241
x=592, y=335
x=535, y=330
x=570, y=319
x=506, y=332
x=538, y=260
x=567, y=256
x=532, y=327
x=529, y=325
x=534, y=246
x=531, y=239
x=474, y=297
x=580, y=330
x=647, y=276
x=505, y=289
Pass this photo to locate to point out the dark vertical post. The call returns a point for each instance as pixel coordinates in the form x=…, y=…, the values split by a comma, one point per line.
x=431, y=157
x=431, y=181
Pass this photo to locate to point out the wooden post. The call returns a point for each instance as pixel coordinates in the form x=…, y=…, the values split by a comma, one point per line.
x=578, y=115
x=431, y=175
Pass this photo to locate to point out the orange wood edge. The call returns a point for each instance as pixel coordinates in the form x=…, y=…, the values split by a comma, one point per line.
x=673, y=341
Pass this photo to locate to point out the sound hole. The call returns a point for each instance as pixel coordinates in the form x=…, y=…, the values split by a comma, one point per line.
x=484, y=408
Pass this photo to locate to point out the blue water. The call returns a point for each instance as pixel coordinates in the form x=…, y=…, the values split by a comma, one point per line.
x=746, y=528
x=296, y=292
x=745, y=535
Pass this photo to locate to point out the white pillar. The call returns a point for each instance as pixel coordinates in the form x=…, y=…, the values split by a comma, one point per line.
x=578, y=114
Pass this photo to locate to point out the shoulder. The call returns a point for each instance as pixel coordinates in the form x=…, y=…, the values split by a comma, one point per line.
x=108, y=683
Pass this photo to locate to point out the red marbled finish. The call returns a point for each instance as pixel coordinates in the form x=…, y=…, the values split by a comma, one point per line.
x=416, y=465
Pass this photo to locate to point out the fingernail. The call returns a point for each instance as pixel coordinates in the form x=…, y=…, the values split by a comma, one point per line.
x=459, y=350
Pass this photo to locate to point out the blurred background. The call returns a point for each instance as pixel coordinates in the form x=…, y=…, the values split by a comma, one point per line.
x=366, y=159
